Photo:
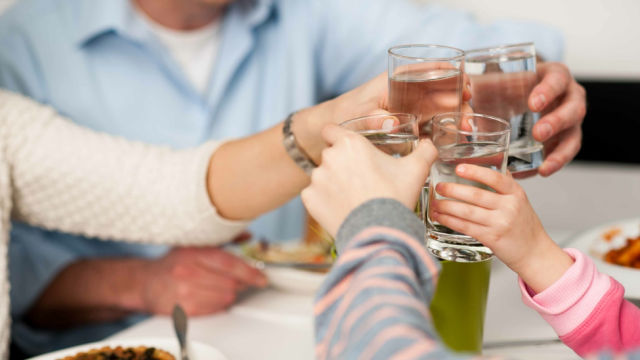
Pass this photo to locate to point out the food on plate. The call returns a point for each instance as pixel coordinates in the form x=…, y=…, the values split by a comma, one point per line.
x=628, y=256
x=611, y=233
x=120, y=353
x=315, y=253
x=316, y=248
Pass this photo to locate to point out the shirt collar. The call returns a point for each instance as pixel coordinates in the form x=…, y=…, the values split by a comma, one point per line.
x=98, y=17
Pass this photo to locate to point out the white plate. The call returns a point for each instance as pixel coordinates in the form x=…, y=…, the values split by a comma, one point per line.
x=197, y=351
x=591, y=242
x=294, y=280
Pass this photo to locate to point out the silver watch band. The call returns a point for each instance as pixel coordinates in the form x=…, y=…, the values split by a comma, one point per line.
x=298, y=155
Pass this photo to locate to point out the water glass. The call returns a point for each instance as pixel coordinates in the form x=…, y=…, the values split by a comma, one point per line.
x=502, y=79
x=393, y=134
x=463, y=138
x=425, y=80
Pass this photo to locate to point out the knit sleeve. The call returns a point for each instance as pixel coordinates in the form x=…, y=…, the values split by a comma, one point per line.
x=69, y=178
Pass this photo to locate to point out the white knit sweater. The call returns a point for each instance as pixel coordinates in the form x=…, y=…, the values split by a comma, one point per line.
x=60, y=176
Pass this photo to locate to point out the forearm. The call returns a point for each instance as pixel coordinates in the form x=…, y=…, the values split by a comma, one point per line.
x=587, y=309
x=251, y=176
x=254, y=175
x=110, y=290
x=69, y=178
x=383, y=281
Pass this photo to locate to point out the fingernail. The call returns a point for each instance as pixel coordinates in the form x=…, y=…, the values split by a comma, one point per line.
x=461, y=169
x=545, y=131
x=388, y=124
x=539, y=102
x=469, y=87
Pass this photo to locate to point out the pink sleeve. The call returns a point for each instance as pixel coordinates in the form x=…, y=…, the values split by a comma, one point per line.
x=587, y=309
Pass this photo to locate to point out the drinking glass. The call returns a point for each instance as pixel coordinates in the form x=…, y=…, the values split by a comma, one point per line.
x=393, y=134
x=502, y=79
x=463, y=138
x=425, y=80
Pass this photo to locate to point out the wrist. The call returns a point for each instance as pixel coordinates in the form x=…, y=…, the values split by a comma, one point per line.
x=545, y=264
x=307, y=126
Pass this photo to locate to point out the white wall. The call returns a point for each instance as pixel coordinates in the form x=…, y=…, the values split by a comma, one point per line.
x=602, y=36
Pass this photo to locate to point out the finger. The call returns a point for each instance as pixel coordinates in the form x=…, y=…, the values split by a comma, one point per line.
x=423, y=157
x=501, y=183
x=568, y=147
x=462, y=226
x=468, y=194
x=466, y=88
x=206, y=277
x=554, y=83
x=570, y=113
x=196, y=301
x=331, y=133
x=231, y=266
x=462, y=210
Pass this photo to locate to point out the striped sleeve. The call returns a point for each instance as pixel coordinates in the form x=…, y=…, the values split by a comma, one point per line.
x=374, y=303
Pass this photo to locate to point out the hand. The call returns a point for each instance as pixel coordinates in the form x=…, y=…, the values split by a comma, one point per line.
x=562, y=102
x=202, y=280
x=353, y=172
x=503, y=221
x=371, y=98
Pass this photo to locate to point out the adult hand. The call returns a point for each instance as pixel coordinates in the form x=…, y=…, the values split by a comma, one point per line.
x=562, y=102
x=371, y=98
x=353, y=171
x=202, y=280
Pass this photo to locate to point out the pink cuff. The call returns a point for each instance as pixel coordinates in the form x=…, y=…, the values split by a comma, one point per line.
x=571, y=299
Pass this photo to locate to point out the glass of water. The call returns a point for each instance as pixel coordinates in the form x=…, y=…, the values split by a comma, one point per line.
x=393, y=134
x=463, y=138
x=502, y=79
x=425, y=80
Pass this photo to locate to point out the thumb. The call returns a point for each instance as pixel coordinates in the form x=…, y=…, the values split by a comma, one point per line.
x=423, y=157
x=331, y=133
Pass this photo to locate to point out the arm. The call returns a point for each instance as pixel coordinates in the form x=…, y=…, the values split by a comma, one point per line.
x=375, y=299
x=72, y=179
x=587, y=309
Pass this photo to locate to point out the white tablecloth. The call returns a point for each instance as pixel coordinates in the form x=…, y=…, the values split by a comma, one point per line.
x=270, y=325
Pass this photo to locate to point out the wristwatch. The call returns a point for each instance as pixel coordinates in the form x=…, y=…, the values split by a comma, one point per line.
x=298, y=155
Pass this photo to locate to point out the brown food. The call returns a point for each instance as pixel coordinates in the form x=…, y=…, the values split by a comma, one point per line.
x=120, y=353
x=628, y=256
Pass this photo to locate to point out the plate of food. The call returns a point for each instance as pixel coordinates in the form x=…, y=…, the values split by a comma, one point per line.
x=298, y=266
x=615, y=249
x=135, y=349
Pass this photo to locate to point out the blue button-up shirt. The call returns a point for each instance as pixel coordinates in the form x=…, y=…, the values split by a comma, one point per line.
x=97, y=63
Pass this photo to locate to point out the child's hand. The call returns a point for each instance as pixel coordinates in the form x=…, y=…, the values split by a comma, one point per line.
x=504, y=222
x=353, y=172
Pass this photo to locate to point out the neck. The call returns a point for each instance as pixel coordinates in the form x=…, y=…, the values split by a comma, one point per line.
x=180, y=14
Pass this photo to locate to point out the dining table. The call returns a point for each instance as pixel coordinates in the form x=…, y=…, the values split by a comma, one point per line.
x=275, y=325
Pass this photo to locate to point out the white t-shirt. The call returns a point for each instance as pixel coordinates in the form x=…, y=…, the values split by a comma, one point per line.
x=194, y=50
